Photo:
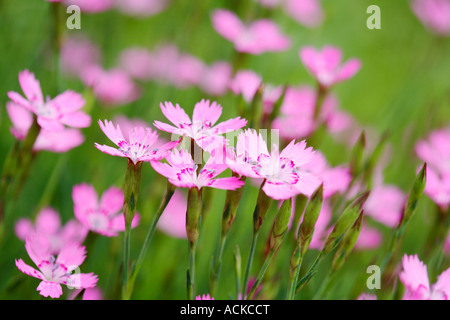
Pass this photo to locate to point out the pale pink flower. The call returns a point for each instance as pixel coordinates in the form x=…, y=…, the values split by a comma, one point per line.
x=78, y=53
x=369, y=238
x=385, y=204
x=48, y=226
x=188, y=71
x=55, y=271
x=447, y=244
x=284, y=172
x=414, y=277
x=216, y=78
x=367, y=296
x=325, y=65
x=435, y=152
x=141, y=8
x=434, y=14
x=202, y=128
x=112, y=87
x=52, y=114
x=182, y=172
x=204, y=297
x=138, y=144
x=53, y=141
x=246, y=83
x=334, y=179
x=137, y=62
x=105, y=216
x=173, y=219
x=89, y=294
x=260, y=36
x=90, y=6
x=306, y=12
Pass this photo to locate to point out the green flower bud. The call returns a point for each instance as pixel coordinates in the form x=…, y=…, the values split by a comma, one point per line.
x=194, y=209
x=280, y=225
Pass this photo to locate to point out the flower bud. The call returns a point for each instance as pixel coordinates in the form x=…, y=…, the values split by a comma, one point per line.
x=193, y=213
x=280, y=225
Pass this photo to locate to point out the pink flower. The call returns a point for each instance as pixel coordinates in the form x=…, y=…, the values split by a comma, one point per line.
x=321, y=229
x=216, y=78
x=182, y=172
x=204, y=297
x=368, y=238
x=53, y=141
x=78, y=53
x=137, y=62
x=258, y=37
x=202, y=128
x=296, y=119
x=48, y=227
x=89, y=294
x=90, y=6
x=138, y=144
x=113, y=87
x=325, y=65
x=414, y=277
x=141, y=8
x=54, y=271
x=173, y=219
x=52, y=114
x=246, y=83
x=306, y=12
x=284, y=172
x=104, y=217
x=367, y=296
x=385, y=204
x=335, y=179
x=436, y=154
x=434, y=14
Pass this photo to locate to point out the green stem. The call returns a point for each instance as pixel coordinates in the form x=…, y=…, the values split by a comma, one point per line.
x=137, y=266
x=191, y=271
x=311, y=272
x=217, y=264
x=296, y=264
x=261, y=274
x=126, y=259
x=249, y=262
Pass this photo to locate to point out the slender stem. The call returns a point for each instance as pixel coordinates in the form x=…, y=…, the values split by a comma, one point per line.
x=261, y=274
x=237, y=265
x=126, y=259
x=311, y=272
x=217, y=264
x=249, y=262
x=296, y=264
x=137, y=266
x=191, y=271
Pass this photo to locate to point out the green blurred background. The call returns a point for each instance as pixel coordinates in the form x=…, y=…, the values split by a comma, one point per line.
x=403, y=86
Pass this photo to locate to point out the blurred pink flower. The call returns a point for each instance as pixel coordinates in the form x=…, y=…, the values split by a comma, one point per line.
x=321, y=229
x=202, y=128
x=104, y=217
x=137, y=62
x=52, y=114
x=414, y=277
x=142, y=8
x=447, y=244
x=325, y=65
x=260, y=36
x=53, y=141
x=216, y=78
x=90, y=6
x=54, y=271
x=173, y=219
x=48, y=226
x=367, y=296
x=182, y=172
x=284, y=171
x=112, y=87
x=369, y=238
x=78, y=53
x=334, y=179
x=138, y=144
x=246, y=83
x=435, y=152
x=434, y=14
x=296, y=119
x=385, y=204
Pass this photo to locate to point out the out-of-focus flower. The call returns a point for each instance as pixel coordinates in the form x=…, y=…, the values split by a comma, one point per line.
x=104, y=217
x=52, y=114
x=367, y=296
x=284, y=172
x=78, y=53
x=385, y=204
x=137, y=62
x=414, y=277
x=202, y=128
x=90, y=6
x=48, y=226
x=182, y=172
x=335, y=179
x=246, y=83
x=89, y=294
x=55, y=271
x=306, y=12
x=435, y=152
x=325, y=65
x=321, y=228
x=139, y=144
x=173, y=219
x=434, y=14
x=260, y=36
x=296, y=119
x=204, y=297
x=141, y=8
x=216, y=78
x=368, y=238
x=53, y=141
x=112, y=87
